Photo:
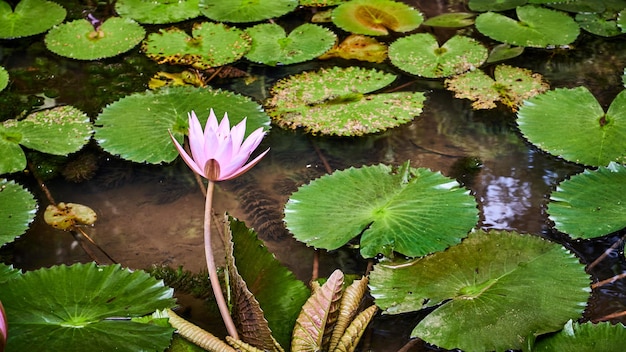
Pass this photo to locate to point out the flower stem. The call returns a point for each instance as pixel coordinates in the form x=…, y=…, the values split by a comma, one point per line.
x=210, y=263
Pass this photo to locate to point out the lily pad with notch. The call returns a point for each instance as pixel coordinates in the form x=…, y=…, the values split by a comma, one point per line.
x=271, y=45
x=394, y=210
x=376, y=17
x=571, y=124
x=335, y=102
x=420, y=54
x=242, y=11
x=211, y=45
x=489, y=293
x=158, y=12
x=29, y=17
x=17, y=210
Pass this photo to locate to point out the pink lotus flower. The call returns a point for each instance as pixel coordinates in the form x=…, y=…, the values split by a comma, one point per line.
x=3, y=328
x=220, y=153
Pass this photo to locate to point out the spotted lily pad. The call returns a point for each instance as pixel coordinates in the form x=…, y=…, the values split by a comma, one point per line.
x=29, y=17
x=404, y=210
x=596, y=24
x=240, y=11
x=512, y=85
x=335, y=102
x=421, y=55
x=145, y=138
x=157, y=12
x=212, y=45
x=590, y=204
x=535, y=27
x=64, y=216
x=80, y=40
x=17, y=210
x=489, y=293
x=59, y=131
x=4, y=78
x=271, y=45
x=358, y=47
x=570, y=123
x=376, y=17
x=585, y=337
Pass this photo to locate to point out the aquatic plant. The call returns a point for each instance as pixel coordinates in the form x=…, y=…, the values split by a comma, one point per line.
x=376, y=17
x=29, y=17
x=158, y=12
x=4, y=78
x=17, y=210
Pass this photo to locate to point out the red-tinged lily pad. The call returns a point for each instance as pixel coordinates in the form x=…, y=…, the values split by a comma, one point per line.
x=241, y=11
x=17, y=210
x=29, y=17
x=376, y=17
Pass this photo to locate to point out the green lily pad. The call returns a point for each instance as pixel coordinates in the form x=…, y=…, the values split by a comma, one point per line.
x=17, y=210
x=403, y=210
x=451, y=20
x=66, y=308
x=144, y=137
x=158, y=12
x=420, y=54
x=621, y=20
x=590, y=204
x=80, y=40
x=512, y=85
x=578, y=6
x=241, y=11
x=59, y=131
x=490, y=292
x=7, y=272
x=29, y=17
x=585, y=337
x=212, y=45
x=321, y=3
x=4, y=78
x=376, y=17
x=596, y=24
x=571, y=124
x=503, y=52
x=491, y=5
x=335, y=102
x=535, y=27
x=271, y=45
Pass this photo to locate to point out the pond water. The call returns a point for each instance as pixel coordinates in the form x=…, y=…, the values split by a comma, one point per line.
x=151, y=215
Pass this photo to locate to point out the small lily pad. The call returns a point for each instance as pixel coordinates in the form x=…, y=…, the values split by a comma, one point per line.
x=158, y=12
x=64, y=216
x=271, y=45
x=489, y=293
x=4, y=78
x=491, y=5
x=80, y=40
x=420, y=54
x=570, y=123
x=29, y=17
x=585, y=337
x=590, y=204
x=403, y=210
x=212, y=45
x=241, y=11
x=358, y=47
x=17, y=210
x=512, y=85
x=335, y=102
x=535, y=27
x=451, y=20
x=596, y=24
x=503, y=52
x=376, y=17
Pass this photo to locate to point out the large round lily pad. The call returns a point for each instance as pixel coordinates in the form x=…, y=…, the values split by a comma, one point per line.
x=591, y=204
x=490, y=292
x=585, y=337
x=271, y=45
x=157, y=12
x=570, y=123
x=335, y=102
x=535, y=27
x=29, y=17
x=241, y=11
x=403, y=210
x=66, y=308
x=376, y=17
x=80, y=40
x=420, y=54
x=136, y=126
x=17, y=210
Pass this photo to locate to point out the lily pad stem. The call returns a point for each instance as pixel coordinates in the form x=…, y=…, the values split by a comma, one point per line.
x=210, y=263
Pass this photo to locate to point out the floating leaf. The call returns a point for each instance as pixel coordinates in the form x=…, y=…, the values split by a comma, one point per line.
x=571, y=124
x=577, y=337
x=621, y=20
x=490, y=5
x=7, y=272
x=321, y=3
x=80, y=40
x=451, y=20
x=157, y=12
x=212, y=45
x=512, y=85
x=17, y=210
x=420, y=54
x=376, y=17
x=358, y=47
x=136, y=126
x=596, y=24
x=393, y=210
x=489, y=293
x=578, y=6
x=4, y=78
x=64, y=216
x=244, y=10
x=334, y=102
x=503, y=52
x=66, y=308
x=59, y=131
x=535, y=27
x=271, y=46
x=30, y=17
x=590, y=204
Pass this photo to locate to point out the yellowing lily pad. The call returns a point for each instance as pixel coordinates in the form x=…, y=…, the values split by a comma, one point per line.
x=64, y=216
x=376, y=17
x=358, y=47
